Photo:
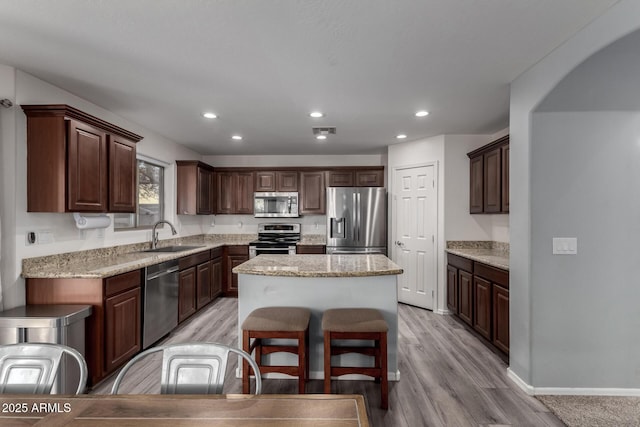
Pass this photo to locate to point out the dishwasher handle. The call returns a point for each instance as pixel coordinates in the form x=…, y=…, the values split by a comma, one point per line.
x=163, y=273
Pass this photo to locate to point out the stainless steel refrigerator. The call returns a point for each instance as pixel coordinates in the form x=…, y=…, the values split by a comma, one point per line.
x=356, y=220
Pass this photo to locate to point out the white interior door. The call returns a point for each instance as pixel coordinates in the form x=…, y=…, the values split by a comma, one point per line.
x=415, y=224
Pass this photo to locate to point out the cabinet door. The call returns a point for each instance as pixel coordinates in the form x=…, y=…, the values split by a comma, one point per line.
x=123, y=169
x=311, y=249
x=225, y=190
x=122, y=328
x=235, y=255
x=340, y=178
x=505, y=178
x=203, y=280
x=452, y=289
x=216, y=277
x=476, y=205
x=312, y=193
x=204, y=199
x=187, y=293
x=482, y=309
x=501, y=318
x=465, y=296
x=287, y=181
x=492, y=181
x=87, y=168
x=244, y=193
x=265, y=181
x=370, y=178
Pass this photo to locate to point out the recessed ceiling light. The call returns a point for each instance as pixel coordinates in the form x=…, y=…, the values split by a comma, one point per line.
x=401, y=136
x=422, y=113
x=236, y=137
x=210, y=115
x=316, y=114
x=321, y=137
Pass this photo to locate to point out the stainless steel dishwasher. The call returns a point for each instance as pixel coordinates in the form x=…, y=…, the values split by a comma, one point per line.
x=160, y=301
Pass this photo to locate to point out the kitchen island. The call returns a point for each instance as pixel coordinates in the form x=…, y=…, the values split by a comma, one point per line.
x=321, y=282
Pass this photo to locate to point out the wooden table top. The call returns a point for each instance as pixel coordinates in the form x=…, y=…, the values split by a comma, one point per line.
x=184, y=410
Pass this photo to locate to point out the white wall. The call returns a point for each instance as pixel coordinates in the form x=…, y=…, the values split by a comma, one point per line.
x=7, y=181
x=532, y=356
x=66, y=237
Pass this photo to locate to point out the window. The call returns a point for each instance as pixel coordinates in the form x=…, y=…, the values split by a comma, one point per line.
x=150, y=203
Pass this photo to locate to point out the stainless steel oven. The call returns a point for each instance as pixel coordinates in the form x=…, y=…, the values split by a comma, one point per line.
x=275, y=239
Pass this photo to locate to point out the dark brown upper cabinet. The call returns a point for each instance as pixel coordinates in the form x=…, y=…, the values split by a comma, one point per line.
x=276, y=181
x=312, y=193
x=77, y=162
x=234, y=192
x=195, y=188
x=356, y=177
x=489, y=178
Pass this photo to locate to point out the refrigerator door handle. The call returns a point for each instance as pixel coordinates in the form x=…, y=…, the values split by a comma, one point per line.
x=354, y=217
x=358, y=214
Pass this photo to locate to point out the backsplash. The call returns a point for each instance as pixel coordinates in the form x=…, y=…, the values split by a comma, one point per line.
x=478, y=244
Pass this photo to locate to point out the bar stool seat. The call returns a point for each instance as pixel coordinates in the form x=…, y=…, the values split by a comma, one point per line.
x=356, y=324
x=268, y=323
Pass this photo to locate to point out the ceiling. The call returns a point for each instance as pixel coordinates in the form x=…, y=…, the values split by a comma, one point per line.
x=262, y=66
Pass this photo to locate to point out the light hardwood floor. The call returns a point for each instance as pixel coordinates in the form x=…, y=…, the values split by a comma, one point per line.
x=447, y=376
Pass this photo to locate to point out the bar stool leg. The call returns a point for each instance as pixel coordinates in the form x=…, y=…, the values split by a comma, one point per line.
x=327, y=362
x=302, y=361
x=245, y=365
x=306, y=346
x=384, y=387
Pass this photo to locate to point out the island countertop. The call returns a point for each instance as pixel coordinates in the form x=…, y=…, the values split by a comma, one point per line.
x=319, y=266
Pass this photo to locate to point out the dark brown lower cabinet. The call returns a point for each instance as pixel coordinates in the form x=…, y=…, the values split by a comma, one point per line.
x=465, y=296
x=113, y=331
x=482, y=307
x=216, y=273
x=311, y=249
x=479, y=295
x=452, y=289
x=187, y=293
x=501, y=318
x=122, y=328
x=203, y=282
x=235, y=255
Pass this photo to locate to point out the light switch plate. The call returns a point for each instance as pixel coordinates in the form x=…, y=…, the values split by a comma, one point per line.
x=565, y=245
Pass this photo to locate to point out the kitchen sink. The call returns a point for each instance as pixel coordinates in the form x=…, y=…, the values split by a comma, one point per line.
x=173, y=249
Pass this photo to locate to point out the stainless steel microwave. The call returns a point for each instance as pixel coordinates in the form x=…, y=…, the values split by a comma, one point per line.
x=275, y=205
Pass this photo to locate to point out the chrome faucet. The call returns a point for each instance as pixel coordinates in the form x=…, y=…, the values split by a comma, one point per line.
x=154, y=233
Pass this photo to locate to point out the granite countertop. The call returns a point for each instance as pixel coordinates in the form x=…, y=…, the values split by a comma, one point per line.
x=319, y=266
x=106, y=262
x=493, y=257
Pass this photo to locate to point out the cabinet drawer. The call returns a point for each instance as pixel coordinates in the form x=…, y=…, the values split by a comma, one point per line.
x=460, y=262
x=238, y=250
x=121, y=283
x=195, y=259
x=495, y=275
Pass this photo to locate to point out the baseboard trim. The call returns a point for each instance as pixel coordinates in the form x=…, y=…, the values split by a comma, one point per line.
x=442, y=311
x=571, y=391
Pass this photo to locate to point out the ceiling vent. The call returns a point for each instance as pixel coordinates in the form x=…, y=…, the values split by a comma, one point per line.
x=324, y=131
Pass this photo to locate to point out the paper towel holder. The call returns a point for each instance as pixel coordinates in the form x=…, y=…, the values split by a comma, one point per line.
x=94, y=221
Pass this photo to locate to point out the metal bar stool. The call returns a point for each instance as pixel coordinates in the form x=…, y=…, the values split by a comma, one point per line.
x=356, y=324
x=270, y=323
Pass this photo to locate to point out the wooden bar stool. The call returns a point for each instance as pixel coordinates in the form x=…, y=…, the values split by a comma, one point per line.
x=277, y=323
x=356, y=324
